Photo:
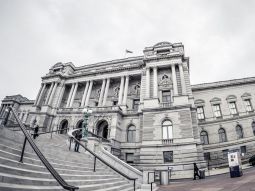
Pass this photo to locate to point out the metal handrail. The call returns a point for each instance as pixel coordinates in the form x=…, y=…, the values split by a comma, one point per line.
x=46, y=163
x=70, y=133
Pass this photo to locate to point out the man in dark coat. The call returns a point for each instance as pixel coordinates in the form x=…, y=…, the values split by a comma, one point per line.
x=196, y=172
x=78, y=136
x=36, y=129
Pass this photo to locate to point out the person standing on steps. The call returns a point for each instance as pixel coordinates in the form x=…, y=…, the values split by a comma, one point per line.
x=36, y=129
x=196, y=170
x=78, y=136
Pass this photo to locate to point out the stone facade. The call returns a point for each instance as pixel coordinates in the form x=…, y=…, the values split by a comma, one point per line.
x=146, y=106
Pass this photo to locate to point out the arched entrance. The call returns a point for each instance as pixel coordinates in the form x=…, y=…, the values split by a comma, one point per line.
x=63, y=125
x=79, y=124
x=102, y=129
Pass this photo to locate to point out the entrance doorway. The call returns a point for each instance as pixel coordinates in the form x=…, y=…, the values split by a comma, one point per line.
x=63, y=127
x=102, y=129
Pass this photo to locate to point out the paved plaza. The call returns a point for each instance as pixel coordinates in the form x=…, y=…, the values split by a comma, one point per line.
x=216, y=183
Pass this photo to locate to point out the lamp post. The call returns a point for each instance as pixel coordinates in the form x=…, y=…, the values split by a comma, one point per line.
x=86, y=113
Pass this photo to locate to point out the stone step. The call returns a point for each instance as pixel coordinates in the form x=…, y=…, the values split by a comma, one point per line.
x=8, y=178
x=117, y=186
x=78, y=158
x=63, y=169
x=60, y=164
x=45, y=174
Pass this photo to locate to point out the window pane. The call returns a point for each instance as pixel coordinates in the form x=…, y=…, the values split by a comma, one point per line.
x=165, y=135
x=168, y=156
x=243, y=149
x=200, y=113
x=239, y=132
x=166, y=96
x=217, y=111
x=232, y=107
x=253, y=127
x=131, y=134
x=207, y=156
x=225, y=153
x=248, y=105
x=167, y=129
x=130, y=157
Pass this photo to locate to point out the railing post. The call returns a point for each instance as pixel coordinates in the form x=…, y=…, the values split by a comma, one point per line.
x=95, y=159
x=70, y=143
x=23, y=149
x=134, y=184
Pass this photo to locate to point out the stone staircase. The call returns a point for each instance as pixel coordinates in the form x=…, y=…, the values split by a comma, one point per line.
x=75, y=168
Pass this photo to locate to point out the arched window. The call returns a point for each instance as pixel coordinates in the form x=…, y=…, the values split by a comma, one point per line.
x=253, y=127
x=131, y=134
x=222, y=135
x=167, y=129
x=239, y=132
x=204, y=138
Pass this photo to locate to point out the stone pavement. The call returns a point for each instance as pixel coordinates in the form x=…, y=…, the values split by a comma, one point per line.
x=216, y=183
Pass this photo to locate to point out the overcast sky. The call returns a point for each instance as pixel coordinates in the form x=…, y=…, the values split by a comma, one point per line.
x=218, y=36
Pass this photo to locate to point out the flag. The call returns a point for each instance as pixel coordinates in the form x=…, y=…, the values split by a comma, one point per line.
x=128, y=51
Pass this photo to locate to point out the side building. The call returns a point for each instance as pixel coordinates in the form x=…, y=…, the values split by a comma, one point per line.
x=147, y=108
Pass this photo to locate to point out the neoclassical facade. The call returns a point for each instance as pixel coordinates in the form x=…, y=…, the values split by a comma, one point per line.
x=148, y=109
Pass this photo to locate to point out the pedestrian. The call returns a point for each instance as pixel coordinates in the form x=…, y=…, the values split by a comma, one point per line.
x=196, y=172
x=36, y=129
x=78, y=136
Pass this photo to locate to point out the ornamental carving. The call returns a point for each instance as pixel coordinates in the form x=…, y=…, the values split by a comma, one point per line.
x=135, y=89
x=99, y=117
x=98, y=92
x=165, y=82
x=116, y=91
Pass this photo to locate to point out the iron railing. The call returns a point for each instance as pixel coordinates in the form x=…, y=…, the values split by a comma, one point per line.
x=46, y=163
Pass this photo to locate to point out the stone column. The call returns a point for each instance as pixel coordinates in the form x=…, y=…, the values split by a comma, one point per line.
x=147, y=83
x=84, y=94
x=40, y=96
x=53, y=93
x=49, y=93
x=101, y=93
x=121, y=90
x=155, y=82
x=174, y=80
x=62, y=91
x=141, y=89
x=70, y=96
x=88, y=95
x=39, y=93
x=2, y=110
x=106, y=91
x=126, y=91
x=74, y=93
x=182, y=79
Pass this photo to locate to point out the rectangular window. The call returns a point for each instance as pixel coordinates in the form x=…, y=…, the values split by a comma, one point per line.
x=200, y=113
x=216, y=110
x=136, y=103
x=166, y=96
x=248, y=105
x=207, y=156
x=130, y=157
x=96, y=103
x=225, y=153
x=114, y=103
x=243, y=149
x=168, y=156
x=232, y=108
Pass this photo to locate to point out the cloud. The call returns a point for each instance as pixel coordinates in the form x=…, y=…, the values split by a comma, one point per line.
x=217, y=35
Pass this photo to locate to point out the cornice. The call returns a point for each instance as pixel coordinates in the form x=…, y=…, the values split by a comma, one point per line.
x=222, y=84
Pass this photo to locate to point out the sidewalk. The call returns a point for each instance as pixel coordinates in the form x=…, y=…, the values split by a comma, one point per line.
x=216, y=183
